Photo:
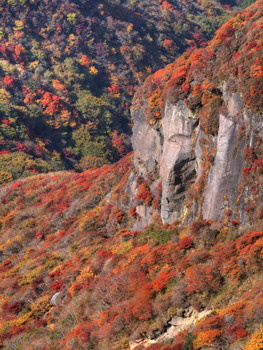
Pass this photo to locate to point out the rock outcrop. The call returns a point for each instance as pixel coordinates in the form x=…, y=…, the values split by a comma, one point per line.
x=176, y=149
x=174, y=327
x=168, y=151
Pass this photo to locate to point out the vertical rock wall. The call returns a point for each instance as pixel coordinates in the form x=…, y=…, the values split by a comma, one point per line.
x=173, y=152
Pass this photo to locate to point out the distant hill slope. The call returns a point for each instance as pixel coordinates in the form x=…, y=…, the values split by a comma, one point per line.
x=68, y=71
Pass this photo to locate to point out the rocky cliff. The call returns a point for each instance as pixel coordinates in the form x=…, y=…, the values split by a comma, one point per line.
x=175, y=151
x=198, y=129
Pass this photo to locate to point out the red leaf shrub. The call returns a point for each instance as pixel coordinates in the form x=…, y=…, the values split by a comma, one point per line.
x=186, y=243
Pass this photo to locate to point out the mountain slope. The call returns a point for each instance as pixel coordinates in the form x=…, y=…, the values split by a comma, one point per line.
x=68, y=71
x=78, y=269
x=73, y=275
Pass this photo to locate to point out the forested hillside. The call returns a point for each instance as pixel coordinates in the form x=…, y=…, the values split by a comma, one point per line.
x=69, y=69
x=71, y=234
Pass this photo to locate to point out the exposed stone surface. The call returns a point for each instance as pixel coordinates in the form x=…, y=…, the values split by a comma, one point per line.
x=168, y=151
x=175, y=326
x=55, y=298
x=146, y=144
x=226, y=172
x=173, y=151
x=177, y=159
x=146, y=216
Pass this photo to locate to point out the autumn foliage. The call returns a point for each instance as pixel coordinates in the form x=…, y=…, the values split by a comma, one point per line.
x=77, y=268
x=68, y=73
x=63, y=238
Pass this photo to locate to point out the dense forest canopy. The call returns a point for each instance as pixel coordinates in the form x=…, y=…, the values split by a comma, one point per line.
x=69, y=69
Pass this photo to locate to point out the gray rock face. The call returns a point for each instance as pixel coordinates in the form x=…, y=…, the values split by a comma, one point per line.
x=168, y=151
x=176, y=160
x=146, y=143
x=226, y=172
x=173, y=152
